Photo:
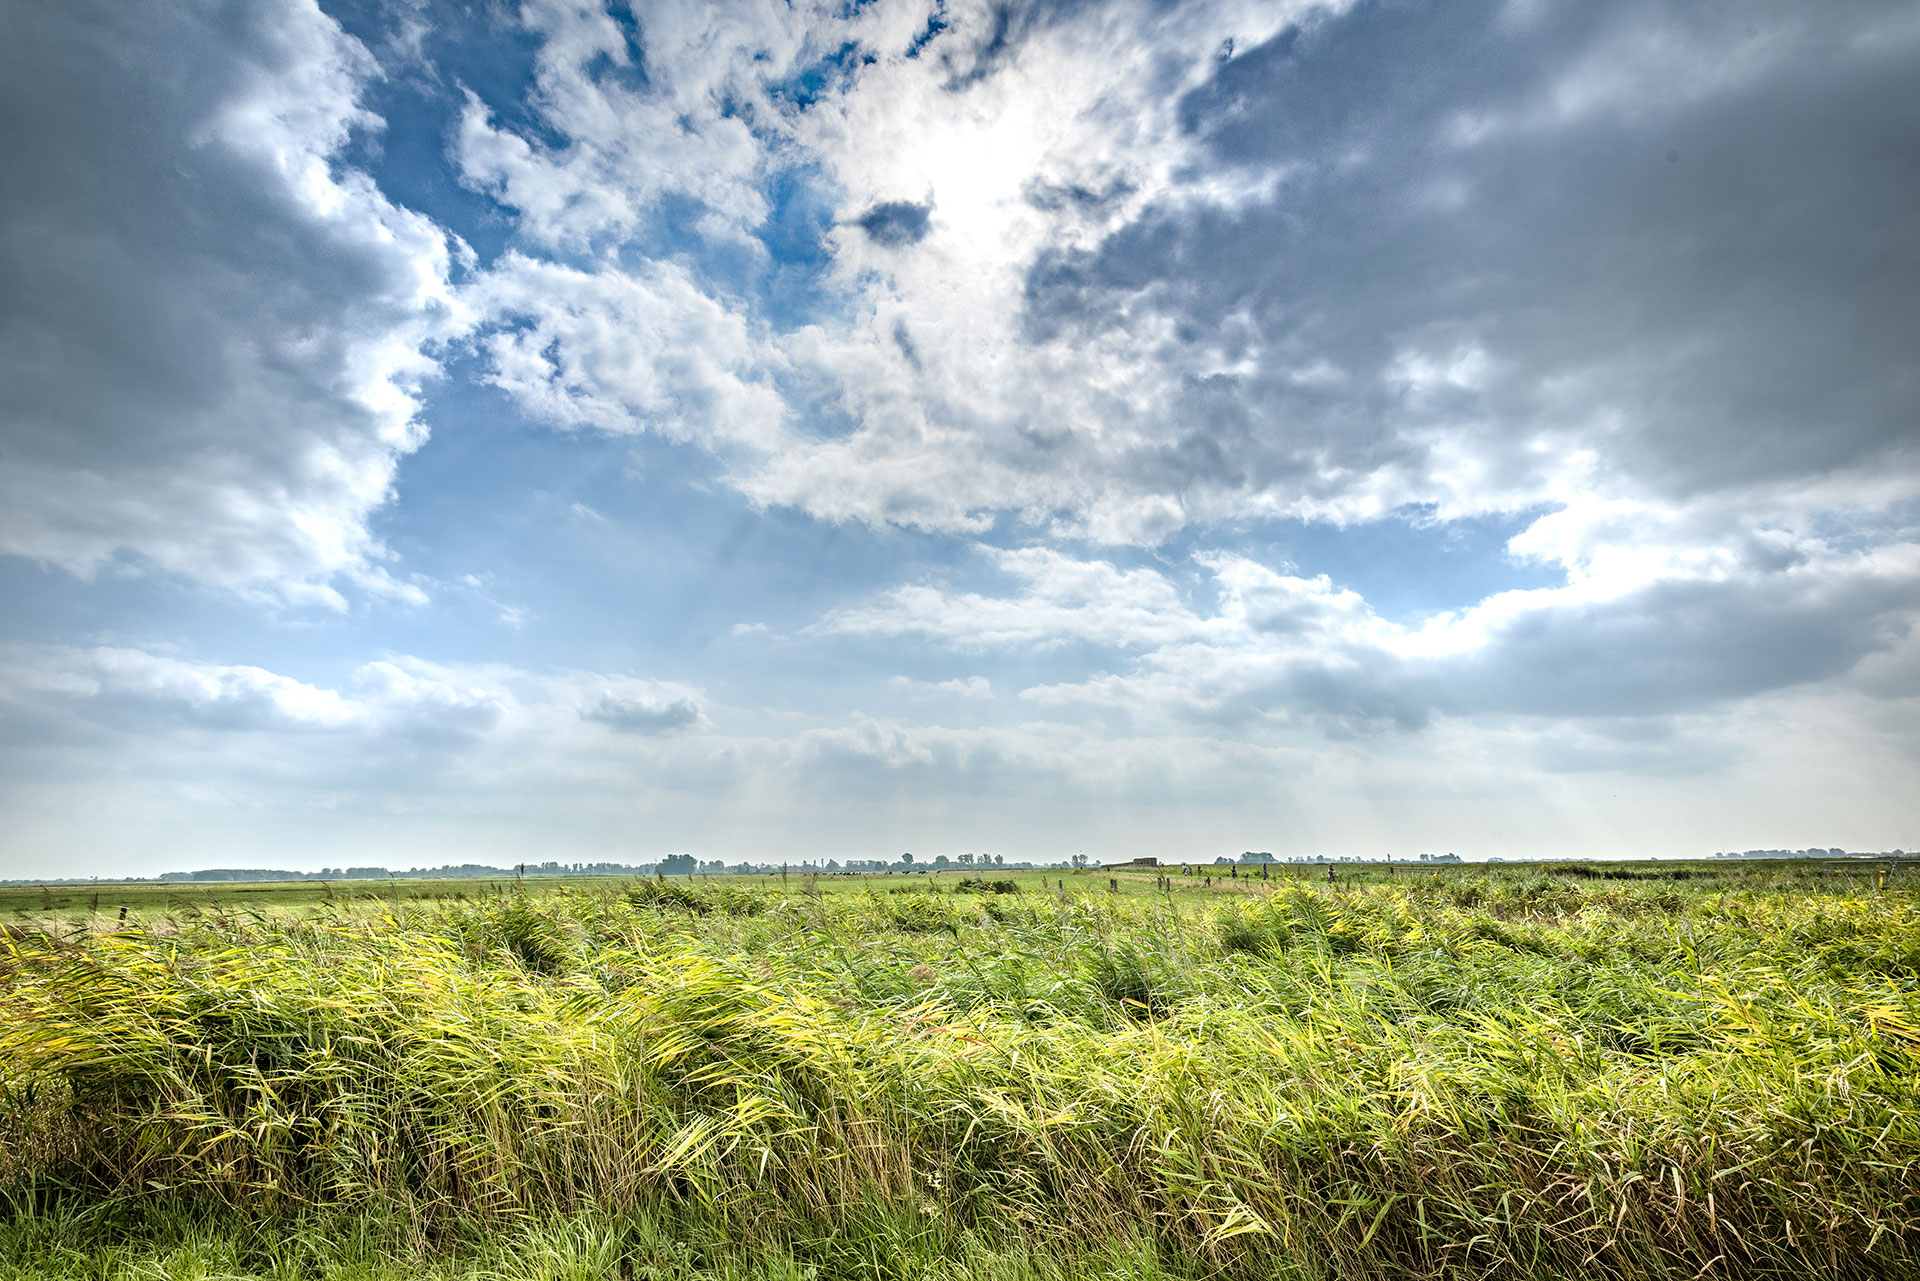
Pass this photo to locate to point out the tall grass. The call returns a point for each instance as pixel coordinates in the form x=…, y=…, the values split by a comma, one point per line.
x=1440, y=1076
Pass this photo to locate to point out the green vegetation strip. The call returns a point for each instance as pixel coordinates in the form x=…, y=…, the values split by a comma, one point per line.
x=1458, y=1074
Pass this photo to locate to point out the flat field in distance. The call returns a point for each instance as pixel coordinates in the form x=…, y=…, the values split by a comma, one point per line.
x=1605, y=1070
x=146, y=898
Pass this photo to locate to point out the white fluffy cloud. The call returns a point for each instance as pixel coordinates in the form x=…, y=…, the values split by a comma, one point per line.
x=393, y=709
x=1630, y=635
x=627, y=352
x=160, y=693
x=958, y=687
x=632, y=134
x=1120, y=269
x=1063, y=600
x=1006, y=132
x=211, y=330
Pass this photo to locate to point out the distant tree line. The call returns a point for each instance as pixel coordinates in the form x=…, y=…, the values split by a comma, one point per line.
x=689, y=865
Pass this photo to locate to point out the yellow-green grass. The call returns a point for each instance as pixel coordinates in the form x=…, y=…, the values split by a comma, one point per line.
x=142, y=898
x=1463, y=1072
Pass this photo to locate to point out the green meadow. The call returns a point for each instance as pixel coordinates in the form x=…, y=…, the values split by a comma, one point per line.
x=1582, y=1070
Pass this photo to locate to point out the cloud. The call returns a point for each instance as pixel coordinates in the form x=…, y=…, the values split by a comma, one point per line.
x=398, y=708
x=505, y=613
x=1620, y=640
x=622, y=129
x=157, y=694
x=958, y=687
x=405, y=758
x=651, y=712
x=414, y=702
x=1062, y=600
x=211, y=327
x=1219, y=263
x=134, y=685
x=410, y=762
x=1166, y=286
x=911, y=392
x=896, y=222
x=1508, y=292
x=626, y=352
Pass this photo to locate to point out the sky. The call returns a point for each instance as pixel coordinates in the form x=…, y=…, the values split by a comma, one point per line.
x=462, y=430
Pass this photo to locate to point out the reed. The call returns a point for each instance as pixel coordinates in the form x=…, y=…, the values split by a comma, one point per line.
x=1462, y=1075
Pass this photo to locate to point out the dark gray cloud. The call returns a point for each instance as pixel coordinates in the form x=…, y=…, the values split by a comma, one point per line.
x=1495, y=178
x=1059, y=197
x=1671, y=649
x=645, y=715
x=896, y=222
x=978, y=50
x=1680, y=646
x=207, y=328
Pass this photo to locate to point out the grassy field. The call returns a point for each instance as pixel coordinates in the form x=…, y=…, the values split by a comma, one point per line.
x=1584, y=1070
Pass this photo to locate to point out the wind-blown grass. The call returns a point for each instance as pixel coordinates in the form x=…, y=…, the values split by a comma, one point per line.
x=1533, y=1075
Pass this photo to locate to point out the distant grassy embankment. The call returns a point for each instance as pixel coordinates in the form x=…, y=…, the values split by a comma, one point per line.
x=1594, y=1070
